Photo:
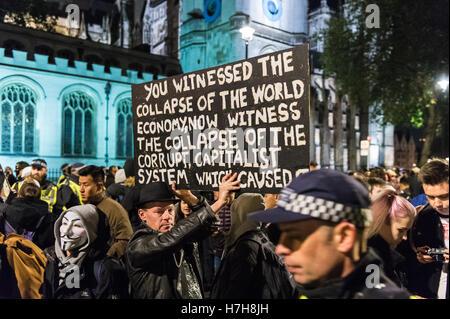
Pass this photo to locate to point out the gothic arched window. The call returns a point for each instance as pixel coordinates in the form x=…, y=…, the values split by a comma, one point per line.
x=18, y=118
x=124, y=129
x=78, y=124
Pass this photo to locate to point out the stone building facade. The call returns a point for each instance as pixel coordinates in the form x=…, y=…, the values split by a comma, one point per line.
x=210, y=36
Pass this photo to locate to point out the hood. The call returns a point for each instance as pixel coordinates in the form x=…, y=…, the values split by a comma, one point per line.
x=240, y=223
x=90, y=219
x=25, y=212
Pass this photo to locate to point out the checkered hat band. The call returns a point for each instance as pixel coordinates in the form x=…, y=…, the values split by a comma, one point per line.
x=323, y=209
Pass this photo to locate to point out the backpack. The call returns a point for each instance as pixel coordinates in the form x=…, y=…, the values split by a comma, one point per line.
x=22, y=232
x=24, y=263
x=280, y=284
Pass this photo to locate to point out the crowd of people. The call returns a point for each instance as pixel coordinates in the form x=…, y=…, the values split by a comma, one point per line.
x=379, y=233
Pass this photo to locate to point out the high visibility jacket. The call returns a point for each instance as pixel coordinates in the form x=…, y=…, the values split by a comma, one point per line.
x=73, y=186
x=48, y=195
x=61, y=180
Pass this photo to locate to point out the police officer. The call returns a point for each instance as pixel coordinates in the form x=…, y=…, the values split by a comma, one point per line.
x=18, y=170
x=69, y=194
x=49, y=190
x=323, y=217
x=65, y=169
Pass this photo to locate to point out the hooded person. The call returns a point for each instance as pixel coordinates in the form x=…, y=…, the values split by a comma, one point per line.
x=121, y=186
x=77, y=266
x=27, y=215
x=250, y=269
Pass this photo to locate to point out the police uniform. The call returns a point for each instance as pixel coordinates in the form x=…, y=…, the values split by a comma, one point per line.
x=366, y=281
x=335, y=197
x=49, y=193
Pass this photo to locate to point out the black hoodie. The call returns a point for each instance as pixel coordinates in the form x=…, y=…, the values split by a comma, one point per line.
x=29, y=215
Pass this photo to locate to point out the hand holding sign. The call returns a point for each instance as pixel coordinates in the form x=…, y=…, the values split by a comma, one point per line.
x=228, y=185
x=249, y=117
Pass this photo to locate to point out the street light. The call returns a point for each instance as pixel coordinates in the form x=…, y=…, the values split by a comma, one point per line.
x=247, y=35
x=443, y=84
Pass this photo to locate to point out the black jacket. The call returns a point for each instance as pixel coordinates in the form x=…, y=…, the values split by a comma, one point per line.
x=101, y=276
x=117, y=191
x=251, y=270
x=66, y=196
x=393, y=263
x=150, y=257
x=427, y=231
x=29, y=215
x=354, y=285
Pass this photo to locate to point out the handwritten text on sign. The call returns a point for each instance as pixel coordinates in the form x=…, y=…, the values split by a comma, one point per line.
x=249, y=117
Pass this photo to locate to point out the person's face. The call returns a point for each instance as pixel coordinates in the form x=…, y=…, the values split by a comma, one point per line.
x=89, y=188
x=437, y=196
x=396, y=231
x=73, y=234
x=39, y=173
x=309, y=252
x=185, y=209
x=8, y=170
x=159, y=216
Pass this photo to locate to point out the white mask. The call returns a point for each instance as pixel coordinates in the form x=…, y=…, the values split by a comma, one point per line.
x=72, y=232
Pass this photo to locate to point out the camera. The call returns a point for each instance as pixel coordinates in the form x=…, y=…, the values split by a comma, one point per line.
x=436, y=253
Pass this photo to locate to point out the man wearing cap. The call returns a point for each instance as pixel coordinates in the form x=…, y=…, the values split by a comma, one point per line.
x=68, y=186
x=18, y=170
x=323, y=217
x=159, y=257
x=65, y=169
x=49, y=191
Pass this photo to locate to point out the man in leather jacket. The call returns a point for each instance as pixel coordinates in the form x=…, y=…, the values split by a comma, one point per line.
x=159, y=258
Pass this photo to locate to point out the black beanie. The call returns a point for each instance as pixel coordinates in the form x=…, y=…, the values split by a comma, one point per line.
x=129, y=167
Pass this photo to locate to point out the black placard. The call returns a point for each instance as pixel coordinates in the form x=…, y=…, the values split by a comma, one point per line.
x=249, y=117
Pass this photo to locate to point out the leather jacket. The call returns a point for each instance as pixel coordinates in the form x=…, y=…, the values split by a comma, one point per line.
x=152, y=257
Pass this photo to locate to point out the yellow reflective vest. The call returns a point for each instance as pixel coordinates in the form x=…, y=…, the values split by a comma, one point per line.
x=73, y=186
x=48, y=195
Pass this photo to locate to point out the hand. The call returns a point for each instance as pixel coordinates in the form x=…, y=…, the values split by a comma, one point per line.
x=422, y=256
x=446, y=255
x=228, y=184
x=185, y=195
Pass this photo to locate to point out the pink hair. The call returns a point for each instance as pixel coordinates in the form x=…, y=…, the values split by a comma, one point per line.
x=387, y=206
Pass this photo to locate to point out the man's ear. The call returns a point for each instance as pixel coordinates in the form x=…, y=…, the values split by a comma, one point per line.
x=344, y=236
x=141, y=214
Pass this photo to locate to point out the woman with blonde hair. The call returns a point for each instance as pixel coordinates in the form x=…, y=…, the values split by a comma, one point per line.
x=393, y=216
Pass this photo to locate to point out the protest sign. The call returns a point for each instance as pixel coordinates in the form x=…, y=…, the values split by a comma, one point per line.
x=249, y=117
